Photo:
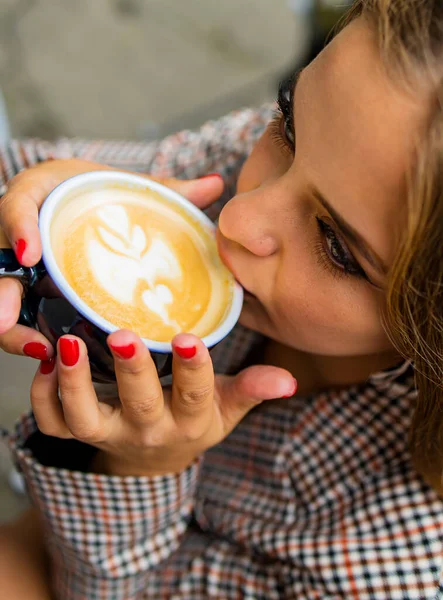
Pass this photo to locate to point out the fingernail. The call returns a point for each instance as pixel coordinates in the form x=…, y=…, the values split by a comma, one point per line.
x=47, y=366
x=186, y=352
x=69, y=351
x=20, y=247
x=125, y=352
x=212, y=175
x=294, y=391
x=36, y=350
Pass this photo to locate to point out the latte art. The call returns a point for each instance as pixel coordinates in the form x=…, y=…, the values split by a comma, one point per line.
x=121, y=256
x=141, y=263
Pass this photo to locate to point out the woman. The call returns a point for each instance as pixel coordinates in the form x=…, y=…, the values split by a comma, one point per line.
x=338, y=242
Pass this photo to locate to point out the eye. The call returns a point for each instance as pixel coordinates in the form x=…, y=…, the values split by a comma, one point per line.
x=334, y=250
x=288, y=132
x=284, y=119
x=281, y=135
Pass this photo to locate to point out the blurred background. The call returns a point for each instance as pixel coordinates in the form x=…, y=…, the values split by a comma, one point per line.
x=138, y=70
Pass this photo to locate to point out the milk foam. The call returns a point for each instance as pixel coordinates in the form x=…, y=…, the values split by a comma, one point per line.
x=144, y=258
x=121, y=256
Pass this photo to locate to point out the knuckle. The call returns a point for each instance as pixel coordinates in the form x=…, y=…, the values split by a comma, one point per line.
x=196, y=399
x=152, y=439
x=85, y=433
x=70, y=391
x=35, y=397
x=42, y=166
x=19, y=181
x=192, y=434
x=16, y=179
x=6, y=201
x=47, y=428
x=145, y=409
x=134, y=371
x=51, y=162
x=54, y=430
x=51, y=427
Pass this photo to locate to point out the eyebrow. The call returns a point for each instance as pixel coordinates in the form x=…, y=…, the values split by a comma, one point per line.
x=353, y=236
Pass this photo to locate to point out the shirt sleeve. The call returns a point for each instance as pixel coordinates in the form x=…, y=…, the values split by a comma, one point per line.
x=138, y=538
x=105, y=534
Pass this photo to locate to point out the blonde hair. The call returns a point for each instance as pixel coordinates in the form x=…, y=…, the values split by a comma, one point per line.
x=410, y=34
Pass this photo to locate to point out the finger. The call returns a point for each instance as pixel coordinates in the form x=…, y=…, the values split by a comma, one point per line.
x=201, y=192
x=139, y=387
x=192, y=380
x=81, y=410
x=25, y=341
x=17, y=339
x=238, y=395
x=26, y=192
x=45, y=402
x=19, y=217
x=10, y=303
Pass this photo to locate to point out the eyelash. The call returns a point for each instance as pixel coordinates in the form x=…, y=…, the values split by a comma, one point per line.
x=281, y=125
x=347, y=266
x=278, y=134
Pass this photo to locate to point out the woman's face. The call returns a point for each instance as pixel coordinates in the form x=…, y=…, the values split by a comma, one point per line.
x=311, y=233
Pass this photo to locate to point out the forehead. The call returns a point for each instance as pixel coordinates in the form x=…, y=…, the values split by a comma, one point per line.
x=359, y=128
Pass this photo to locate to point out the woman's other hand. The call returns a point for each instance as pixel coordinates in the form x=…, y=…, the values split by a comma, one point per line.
x=148, y=430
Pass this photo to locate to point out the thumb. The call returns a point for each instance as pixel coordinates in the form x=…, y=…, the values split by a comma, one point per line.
x=238, y=395
x=202, y=192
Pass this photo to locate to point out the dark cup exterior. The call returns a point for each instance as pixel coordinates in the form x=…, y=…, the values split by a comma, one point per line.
x=45, y=309
x=28, y=276
x=56, y=317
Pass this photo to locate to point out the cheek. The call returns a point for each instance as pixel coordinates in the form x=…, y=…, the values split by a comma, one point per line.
x=324, y=315
x=265, y=162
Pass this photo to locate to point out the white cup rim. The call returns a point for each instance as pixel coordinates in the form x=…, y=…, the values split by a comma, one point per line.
x=106, y=177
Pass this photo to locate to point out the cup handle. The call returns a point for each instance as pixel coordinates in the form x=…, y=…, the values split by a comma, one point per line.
x=28, y=277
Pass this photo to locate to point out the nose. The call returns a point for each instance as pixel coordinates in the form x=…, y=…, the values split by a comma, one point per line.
x=248, y=220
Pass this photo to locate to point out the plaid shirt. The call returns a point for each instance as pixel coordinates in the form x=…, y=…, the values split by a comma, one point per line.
x=309, y=498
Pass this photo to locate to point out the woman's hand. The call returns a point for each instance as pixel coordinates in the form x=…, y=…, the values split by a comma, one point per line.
x=19, y=209
x=148, y=430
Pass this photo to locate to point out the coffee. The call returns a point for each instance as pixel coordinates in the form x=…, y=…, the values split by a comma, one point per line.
x=141, y=262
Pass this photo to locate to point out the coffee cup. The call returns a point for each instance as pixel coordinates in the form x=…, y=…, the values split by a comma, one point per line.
x=122, y=251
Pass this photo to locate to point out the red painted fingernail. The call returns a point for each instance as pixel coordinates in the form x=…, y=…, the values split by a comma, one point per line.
x=293, y=392
x=36, y=350
x=20, y=247
x=212, y=175
x=186, y=352
x=69, y=351
x=124, y=352
x=47, y=366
